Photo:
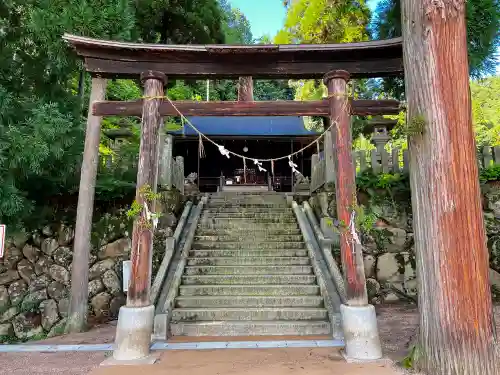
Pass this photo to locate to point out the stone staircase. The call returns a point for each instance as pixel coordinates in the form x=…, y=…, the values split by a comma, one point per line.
x=248, y=273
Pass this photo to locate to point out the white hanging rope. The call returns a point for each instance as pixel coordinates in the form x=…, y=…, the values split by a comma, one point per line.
x=226, y=152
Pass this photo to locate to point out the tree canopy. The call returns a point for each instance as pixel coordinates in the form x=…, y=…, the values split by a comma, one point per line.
x=483, y=23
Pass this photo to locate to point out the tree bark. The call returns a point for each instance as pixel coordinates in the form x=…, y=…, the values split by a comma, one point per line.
x=77, y=314
x=345, y=186
x=245, y=89
x=457, y=335
x=147, y=175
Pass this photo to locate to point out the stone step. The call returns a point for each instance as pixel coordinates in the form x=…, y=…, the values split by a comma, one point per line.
x=247, y=220
x=203, y=245
x=258, y=328
x=260, y=232
x=246, y=270
x=249, y=290
x=238, y=210
x=249, y=301
x=247, y=226
x=244, y=237
x=287, y=216
x=244, y=205
x=249, y=313
x=207, y=253
x=238, y=261
x=248, y=279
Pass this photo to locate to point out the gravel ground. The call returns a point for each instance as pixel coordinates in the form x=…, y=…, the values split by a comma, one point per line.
x=397, y=325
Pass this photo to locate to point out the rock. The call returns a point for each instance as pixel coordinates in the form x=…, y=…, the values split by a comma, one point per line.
x=63, y=256
x=42, y=265
x=9, y=314
x=167, y=220
x=100, y=267
x=26, y=270
x=8, y=277
x=20, y=239
x=57, y=291
x=63, y=306
x=391, y=298
x=112, y=282
x=12, y=256
x=50, y=316
x=58, y=328
x=65, y=235
x=92, y=259
x=59, y=273
x=49, y=245
x=100, y=304
x=37, y=239
x=32, y=300
x=119, y=248
x=95, y=286
x=4, y=299
x=115, y=304
x=373, y=288
x=397, y=240
x=369, y=261
x=47, y=231
x=17, y=291
x=31, y=253
x=27, y=325
x=6, y=330
x=41, y=282
x=389, y=268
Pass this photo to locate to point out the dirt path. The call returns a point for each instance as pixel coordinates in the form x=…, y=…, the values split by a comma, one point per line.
x=397, y=325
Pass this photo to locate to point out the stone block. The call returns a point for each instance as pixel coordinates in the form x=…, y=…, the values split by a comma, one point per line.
x=65, y=235
x=26, y=270
x=43, y=264
x=98, y=269
x=32, y=300
x=17, y=290
x=9, y=314
x=101, y=304
x=95, y=287
x=57, y=291
x=4, y=299
x=50, y=315
x=369, y=261
x=117, y=249
x=60, y=274
x=12, y=256
x=27, y=325
x=63, y=256
x=31, y=253
x=49, y=245
x=8, y=277
x=112, y=282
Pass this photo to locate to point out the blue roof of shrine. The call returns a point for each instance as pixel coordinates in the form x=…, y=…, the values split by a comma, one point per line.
x=249, y=126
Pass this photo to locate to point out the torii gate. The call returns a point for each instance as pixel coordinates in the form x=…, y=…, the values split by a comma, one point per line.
x=153, y=63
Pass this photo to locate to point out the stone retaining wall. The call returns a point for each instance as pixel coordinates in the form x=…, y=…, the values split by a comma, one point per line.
x=389, y=256
x=35, y=274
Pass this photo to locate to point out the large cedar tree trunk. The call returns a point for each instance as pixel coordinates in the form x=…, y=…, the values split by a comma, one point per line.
x=457, y=334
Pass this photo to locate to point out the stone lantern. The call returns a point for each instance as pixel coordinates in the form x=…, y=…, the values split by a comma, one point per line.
x=380, y=130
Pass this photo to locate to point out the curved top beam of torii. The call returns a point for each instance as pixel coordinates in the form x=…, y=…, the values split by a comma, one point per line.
x=118, y=59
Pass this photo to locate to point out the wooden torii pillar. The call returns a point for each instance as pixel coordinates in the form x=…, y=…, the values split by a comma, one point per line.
x=135, y=321
x=77, y=313
x=358, y=318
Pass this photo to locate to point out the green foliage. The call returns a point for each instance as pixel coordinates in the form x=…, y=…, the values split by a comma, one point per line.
x=486, y=110
x=483, y=23
x=490, y=174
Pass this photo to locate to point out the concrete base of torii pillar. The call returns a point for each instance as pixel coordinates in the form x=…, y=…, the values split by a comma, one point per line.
x=362, y=341
x=133, y=337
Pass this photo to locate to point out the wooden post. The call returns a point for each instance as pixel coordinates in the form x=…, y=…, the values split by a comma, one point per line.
x=245, y=89
x=142, y=234
x=457, y=332
x=329, y=154
x=166, y=160
x=77, y=314
x=345, y=186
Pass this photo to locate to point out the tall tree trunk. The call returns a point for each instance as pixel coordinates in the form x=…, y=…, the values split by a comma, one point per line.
x=457, y=335
x=245, y=89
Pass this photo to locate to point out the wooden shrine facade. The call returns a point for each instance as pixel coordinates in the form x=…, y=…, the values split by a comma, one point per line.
x=153, y=64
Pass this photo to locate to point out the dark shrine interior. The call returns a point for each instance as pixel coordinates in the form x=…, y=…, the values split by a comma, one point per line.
x=210, y=167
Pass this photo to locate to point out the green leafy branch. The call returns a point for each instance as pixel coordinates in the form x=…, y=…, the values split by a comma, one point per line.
x=135, y=212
